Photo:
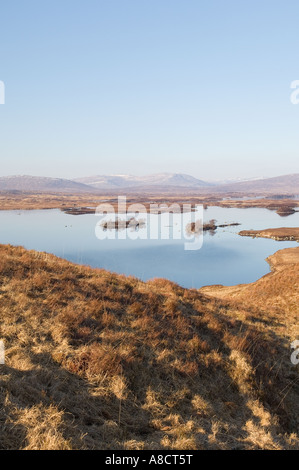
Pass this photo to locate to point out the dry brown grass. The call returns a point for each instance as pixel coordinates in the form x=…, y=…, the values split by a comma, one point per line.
x=100, y=361
x=283, y=233
x=24, y=200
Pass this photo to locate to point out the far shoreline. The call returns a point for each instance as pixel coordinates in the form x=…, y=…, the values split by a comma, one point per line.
x=86, y=203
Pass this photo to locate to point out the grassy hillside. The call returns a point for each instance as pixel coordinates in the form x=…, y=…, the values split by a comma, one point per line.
x=98, y=360
x=273, y=300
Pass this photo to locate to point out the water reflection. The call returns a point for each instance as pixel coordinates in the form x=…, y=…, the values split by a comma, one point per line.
x=225, y=257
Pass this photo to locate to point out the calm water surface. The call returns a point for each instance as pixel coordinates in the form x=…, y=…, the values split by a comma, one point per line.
x=225, y=257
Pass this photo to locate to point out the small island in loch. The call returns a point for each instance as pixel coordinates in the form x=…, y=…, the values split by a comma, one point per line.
x=279, y=234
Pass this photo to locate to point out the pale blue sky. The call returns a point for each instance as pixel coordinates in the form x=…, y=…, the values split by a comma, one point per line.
x=144, y=86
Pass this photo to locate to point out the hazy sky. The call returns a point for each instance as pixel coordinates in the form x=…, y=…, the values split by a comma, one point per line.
x=143, y=86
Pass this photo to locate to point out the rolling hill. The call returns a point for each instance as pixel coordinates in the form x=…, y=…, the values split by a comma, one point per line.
x=41, y=183
x=279, y=184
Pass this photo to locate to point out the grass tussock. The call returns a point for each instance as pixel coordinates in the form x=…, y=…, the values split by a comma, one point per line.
x=96, y=360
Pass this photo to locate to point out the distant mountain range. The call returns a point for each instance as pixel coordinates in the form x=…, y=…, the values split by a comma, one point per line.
x=169, y=182
x=129, y=181
x=176, y=181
